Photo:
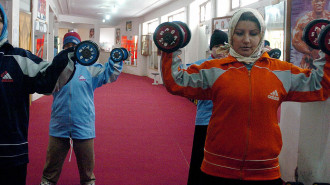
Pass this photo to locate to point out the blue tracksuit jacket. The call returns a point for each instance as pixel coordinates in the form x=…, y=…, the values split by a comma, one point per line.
x=73, y=110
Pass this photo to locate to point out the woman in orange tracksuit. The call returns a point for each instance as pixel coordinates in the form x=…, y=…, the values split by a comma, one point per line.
x=244, y=139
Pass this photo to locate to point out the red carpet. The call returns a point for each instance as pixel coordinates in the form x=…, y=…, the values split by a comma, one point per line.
x=143, y=136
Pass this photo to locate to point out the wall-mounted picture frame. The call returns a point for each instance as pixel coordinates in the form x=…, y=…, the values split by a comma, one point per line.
x=221, y=23
x=128, y=25
x=146, y=45
x=91, y=33
x=117, y=35
x=41, y=12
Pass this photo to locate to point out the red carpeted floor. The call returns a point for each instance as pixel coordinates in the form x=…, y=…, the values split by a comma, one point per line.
x=143, y=136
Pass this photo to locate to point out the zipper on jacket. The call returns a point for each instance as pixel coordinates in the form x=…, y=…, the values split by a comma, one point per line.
x=70, y=109
x=248, y=124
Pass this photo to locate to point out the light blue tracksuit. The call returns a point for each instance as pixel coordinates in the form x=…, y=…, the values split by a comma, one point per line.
x=73, y=110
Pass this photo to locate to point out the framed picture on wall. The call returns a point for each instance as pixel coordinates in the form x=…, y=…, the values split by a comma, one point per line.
x=146, y=45
x=221, y=23
x=117, y=35
x=91, y=33
x=41, y=13
x=128, y=25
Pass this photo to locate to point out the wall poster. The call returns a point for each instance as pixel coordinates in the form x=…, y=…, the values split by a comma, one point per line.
x=221, y=23
x=41, y=14
x=302, y=12
x=25, y=30
x=146, y=45
x=40, y=46
x=117, y=35
x=131, y=45
x=128, y=25
x=91, y=33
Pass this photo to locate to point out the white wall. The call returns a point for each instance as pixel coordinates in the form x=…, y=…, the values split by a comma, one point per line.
x=107, y=36
x=290, y=126
x=314, y=143
x=83, y=33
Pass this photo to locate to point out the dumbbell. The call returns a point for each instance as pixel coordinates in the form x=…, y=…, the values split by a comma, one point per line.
x=171, y=36
x=119, y=54
x=315, y=41
x=86, y=52
x=275, y=53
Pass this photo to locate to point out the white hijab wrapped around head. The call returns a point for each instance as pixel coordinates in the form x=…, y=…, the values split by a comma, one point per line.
x=259, y=50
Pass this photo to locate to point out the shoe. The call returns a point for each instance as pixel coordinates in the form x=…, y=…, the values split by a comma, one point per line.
x=46, y=183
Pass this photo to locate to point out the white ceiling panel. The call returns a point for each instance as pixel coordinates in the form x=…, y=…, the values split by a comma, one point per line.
x=117, y=9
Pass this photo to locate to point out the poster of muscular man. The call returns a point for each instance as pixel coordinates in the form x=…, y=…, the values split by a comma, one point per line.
x=303, y=12
x=41, y=13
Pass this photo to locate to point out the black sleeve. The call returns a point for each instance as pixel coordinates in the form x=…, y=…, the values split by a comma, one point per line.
x=44, y=77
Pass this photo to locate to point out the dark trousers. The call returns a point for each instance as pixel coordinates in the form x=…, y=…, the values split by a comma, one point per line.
x=197, y=154
x=13, y=175
x=56, y=154
x=212, y=180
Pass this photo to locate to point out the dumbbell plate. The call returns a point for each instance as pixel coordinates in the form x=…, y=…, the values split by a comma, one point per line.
x=168, y=37
x=275, y=53
x=86, y=53
x=117, y=55
x=187, y=32
x=125, y=53
x=309, y=34
x=324, y=40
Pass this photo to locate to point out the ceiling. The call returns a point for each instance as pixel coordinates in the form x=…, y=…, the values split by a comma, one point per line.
x=96, y=10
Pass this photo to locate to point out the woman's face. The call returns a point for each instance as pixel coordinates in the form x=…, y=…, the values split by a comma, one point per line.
x=246, y=38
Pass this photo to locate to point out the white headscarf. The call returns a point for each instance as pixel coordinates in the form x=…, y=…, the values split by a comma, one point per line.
x=259, y=50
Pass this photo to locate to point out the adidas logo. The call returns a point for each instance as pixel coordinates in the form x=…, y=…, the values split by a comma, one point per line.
x=82, y=78
x=6, y=77
x=274, y=96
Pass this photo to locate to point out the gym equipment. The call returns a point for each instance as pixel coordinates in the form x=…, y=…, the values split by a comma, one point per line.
x=170, y=36
x=86, y=52
x=275, y=53
x=324, y=39
x=126, y=54
x=119, y=54
x=314, y=40
x=187, y=33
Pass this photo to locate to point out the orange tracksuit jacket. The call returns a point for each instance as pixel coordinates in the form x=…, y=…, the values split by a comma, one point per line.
x=243, y=138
